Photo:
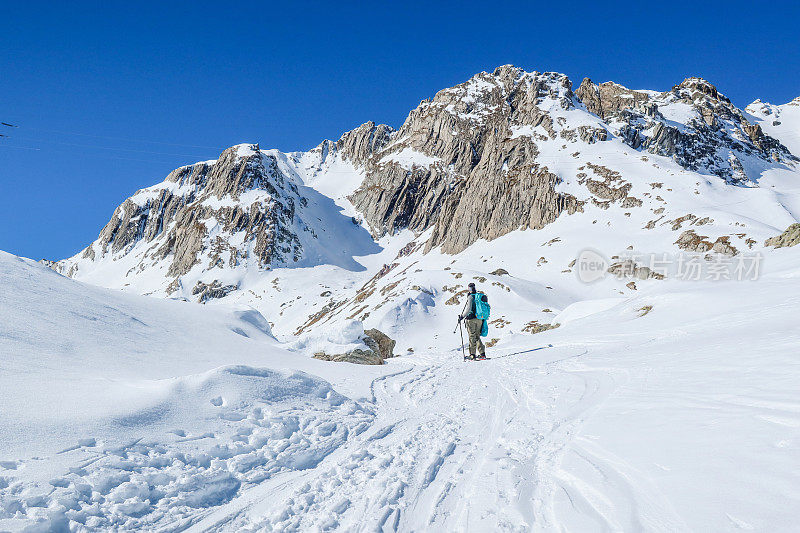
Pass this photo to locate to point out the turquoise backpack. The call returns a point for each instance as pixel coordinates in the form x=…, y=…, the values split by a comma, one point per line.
x=482, y=307
x=482, y=310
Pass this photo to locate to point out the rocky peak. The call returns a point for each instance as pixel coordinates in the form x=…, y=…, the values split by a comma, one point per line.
x=358, y=144
x=694, y=89
x=711, y=134
x=507, y=73
x=236, y=210
x=473, y=143
x=478, y=143
x=240, y=169
x=609, y=98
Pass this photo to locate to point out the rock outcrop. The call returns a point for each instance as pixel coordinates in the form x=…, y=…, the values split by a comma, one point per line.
x=385, y=344
x=464, y=163
x=630, y=269
x=790, y=237
x=608, y=99
x=357, y=356
x=377, y=347
x=702, y=128
x=209, y=291
x=692, y=242
x=535, y=327
x=359, y=144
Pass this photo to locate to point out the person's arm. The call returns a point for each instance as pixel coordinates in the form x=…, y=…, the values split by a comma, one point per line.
x=467, y=305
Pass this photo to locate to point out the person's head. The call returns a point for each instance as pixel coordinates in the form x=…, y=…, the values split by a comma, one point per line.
x=471, y=287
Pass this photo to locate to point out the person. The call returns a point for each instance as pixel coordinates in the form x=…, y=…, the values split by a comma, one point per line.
x=474, y=325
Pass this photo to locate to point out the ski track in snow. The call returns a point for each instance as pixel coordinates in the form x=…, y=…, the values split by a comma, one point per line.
x=456, y=448
x=438, y=443
x=628, y=423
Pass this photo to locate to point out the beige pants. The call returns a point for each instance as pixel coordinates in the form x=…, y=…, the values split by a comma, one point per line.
x=474, y=326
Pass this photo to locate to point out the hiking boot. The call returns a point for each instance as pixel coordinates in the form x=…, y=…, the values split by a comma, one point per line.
x=481, y=356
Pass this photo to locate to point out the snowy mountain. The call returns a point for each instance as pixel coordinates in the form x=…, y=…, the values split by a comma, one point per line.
x=603, y=166
x=248, y=210
x=478, y=160
x=639, y=249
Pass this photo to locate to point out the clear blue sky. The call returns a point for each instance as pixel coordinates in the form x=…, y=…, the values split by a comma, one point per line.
x=111, y=96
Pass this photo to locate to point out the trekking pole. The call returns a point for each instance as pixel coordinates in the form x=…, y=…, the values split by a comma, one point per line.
x=462, y=340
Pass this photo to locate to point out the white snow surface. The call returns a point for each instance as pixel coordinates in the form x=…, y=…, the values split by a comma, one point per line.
x=408, y=158
x=127, y=412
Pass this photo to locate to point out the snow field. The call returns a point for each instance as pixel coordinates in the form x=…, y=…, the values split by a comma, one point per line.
x=147, y=412
x=669, y=420
x=273, y=423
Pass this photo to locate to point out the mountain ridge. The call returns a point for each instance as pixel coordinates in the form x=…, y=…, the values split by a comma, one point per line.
x=479, y=162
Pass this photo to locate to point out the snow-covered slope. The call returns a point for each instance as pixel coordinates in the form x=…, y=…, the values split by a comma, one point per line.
x=675, y=410
x=667, y=420
x=120, y=411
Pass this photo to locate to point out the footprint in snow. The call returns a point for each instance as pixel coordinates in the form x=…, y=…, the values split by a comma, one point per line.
x=217, y=402
x=232, y=416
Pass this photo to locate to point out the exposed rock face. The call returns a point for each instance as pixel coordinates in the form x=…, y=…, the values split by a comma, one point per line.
x=465, y=163
x=609, y=98
x=629, y=269
x=535, y=327
x=52, y=265
x=790, y=237
x=385, y=344
x=714, y=138
x=692, y=242
x=199, y=212
x=780, y=121
x=358, y=356
x=208, y=291
x=359, y=144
